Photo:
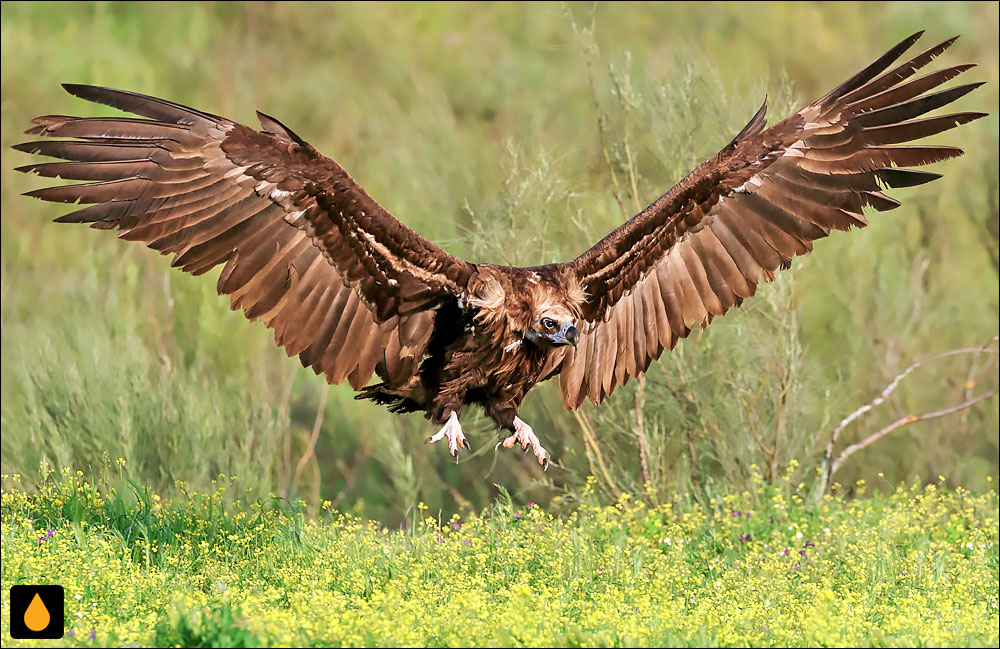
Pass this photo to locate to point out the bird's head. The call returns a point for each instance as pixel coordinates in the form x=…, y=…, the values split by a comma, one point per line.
x=553, y=326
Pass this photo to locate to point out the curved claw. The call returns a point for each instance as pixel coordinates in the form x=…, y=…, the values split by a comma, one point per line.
x=526, y=437
x=452, y=430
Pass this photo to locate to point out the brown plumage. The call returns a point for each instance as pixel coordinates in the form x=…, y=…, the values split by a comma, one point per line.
x=354, y=292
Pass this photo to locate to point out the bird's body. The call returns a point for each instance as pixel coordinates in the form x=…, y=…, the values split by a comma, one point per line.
x=477, y=353
x=355, y=293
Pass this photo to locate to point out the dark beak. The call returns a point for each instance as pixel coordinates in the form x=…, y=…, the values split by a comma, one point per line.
x=571, y=334
x=567, y=335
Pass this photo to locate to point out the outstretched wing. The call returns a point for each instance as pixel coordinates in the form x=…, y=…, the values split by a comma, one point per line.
x=341, y=282
x=701, y=248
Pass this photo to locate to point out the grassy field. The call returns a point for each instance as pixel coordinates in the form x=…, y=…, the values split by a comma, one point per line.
x=507, y=133
x=915, y=567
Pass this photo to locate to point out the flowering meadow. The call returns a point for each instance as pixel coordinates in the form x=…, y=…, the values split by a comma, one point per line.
x=507, y=133
x=906, y=567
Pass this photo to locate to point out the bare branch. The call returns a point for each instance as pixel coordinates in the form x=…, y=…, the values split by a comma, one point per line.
x=284, y=478
x=895, y=382
x=590, y=440
x=829, y=465
x=975, y=371
x=640, y=429
x=311, y=449
x=903, y=421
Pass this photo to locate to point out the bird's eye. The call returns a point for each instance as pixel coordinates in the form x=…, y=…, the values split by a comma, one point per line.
x=548, y=323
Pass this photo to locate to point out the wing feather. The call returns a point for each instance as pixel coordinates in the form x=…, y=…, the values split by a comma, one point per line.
x=701, y=248
x=342, y=283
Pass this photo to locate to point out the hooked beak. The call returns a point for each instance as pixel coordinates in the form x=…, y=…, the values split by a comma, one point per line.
x=567, y=335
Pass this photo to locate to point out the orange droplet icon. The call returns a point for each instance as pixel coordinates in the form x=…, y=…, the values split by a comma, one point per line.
x=37, y=616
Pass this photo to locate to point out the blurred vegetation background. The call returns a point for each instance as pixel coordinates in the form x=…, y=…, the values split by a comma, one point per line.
x=508, y=133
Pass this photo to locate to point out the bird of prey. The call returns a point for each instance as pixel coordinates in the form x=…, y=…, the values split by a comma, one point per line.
x=354, y=292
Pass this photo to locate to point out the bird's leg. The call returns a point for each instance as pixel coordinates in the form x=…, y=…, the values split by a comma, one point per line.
x=524, y=436
x=453, y=431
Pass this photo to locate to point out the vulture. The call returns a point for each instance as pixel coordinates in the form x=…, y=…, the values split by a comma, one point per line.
x=354, y=292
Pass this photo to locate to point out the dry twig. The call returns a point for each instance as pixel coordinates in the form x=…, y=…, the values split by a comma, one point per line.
x=640, y=429
x=903, y=421
x=590, y=441
x=831, y=464
x=311, y=449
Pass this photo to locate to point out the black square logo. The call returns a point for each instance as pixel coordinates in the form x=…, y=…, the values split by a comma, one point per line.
x=37, y=612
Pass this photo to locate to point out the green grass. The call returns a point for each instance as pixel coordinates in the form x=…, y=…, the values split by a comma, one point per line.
x=506, y=133
x=910, y=567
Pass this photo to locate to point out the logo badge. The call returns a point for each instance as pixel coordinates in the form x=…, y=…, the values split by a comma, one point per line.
x=37, y=612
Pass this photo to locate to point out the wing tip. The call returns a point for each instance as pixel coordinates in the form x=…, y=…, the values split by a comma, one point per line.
x=906, y=43
x=138, y=103
x=872, y=70
x=88, y=91
x=75, y=88
x=25, y=147
x=897, y=177
x=914, y=37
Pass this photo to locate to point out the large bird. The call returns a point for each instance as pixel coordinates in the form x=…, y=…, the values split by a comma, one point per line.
x=352, y=291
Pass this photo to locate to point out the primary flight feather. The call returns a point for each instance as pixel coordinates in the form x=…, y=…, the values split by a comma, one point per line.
x=354, y=292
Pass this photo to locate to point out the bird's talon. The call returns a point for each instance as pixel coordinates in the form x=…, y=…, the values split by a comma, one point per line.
x=451, y=430
x=524, y=436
